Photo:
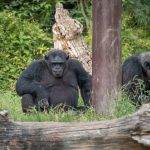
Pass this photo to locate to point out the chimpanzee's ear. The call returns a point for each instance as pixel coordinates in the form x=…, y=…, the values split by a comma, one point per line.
x=46, y=57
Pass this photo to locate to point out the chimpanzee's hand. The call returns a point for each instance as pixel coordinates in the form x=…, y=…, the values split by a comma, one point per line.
x=42, y=100
x=43, y=104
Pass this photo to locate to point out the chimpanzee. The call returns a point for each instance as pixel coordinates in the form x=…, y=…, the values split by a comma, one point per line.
x=52, y=81
x=135, y=69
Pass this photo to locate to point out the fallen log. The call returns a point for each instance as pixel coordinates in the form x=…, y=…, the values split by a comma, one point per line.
x=128, y=133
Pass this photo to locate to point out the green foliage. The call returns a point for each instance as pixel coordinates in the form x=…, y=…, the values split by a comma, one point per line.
x=39, y=10
x=43, y=11
x=20, y=43
x=139, y=10
x=11, y=102
x=134, y=40
x=135, y=27
x=123, y=105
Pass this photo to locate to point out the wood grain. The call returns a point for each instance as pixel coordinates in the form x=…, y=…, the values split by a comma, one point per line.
x=128, y=133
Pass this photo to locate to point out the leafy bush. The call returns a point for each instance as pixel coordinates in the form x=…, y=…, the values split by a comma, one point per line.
x=134, y=39
x=20, y=43
x=139, y=11
x=43, y=11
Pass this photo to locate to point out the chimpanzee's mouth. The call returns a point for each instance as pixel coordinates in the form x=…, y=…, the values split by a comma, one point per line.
x=43, y=103
x=58, y=74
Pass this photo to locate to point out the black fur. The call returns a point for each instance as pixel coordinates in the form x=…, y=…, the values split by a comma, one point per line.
x=134, y=70
x=37, y=83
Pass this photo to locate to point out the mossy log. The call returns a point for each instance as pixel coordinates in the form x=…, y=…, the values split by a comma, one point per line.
x=127, y=133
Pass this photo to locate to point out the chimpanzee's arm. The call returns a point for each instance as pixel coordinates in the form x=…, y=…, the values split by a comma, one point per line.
x=84, y=80
x=131, y=69
x=29, y=80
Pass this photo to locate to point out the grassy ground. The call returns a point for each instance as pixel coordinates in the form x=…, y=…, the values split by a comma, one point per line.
x=11, y=102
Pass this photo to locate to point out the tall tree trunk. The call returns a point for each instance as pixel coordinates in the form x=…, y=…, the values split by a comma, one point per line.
x=67, y=36
x=106, y=53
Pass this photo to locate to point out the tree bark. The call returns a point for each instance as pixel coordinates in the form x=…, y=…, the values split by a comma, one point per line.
x=67, y=36
x=128, y=133
x=106, y=53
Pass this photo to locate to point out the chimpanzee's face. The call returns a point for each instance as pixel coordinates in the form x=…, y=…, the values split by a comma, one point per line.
x=147, y=68
x=145, y=62
x=147, y=65
x=57, y=62
x=57, y=69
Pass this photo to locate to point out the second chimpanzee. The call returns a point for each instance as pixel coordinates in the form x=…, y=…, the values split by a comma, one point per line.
x=136, y=77
x=52, y=81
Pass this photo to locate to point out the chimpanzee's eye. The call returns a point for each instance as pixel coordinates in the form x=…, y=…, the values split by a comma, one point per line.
x=57, y=64
x=147, y=65
x=61, y=64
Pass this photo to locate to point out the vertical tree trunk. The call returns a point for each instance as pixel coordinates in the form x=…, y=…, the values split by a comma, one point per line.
x=106, y=52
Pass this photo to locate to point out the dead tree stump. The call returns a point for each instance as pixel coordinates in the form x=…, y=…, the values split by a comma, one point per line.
x=67, y=36
x=128, y=133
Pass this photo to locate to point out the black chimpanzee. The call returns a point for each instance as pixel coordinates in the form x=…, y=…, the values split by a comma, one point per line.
x=137, y=68
x=52, y=81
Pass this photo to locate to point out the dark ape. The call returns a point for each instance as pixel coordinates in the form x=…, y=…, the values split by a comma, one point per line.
x=54, y=80
x=135, y=68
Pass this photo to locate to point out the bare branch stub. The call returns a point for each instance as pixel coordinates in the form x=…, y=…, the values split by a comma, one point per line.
x=3, y=115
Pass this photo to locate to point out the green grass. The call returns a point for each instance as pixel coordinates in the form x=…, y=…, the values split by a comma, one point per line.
x=11, y=102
